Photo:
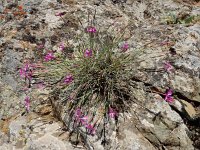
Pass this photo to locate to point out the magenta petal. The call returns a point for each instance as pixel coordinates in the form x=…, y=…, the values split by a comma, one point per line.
x=88, y=53
x=68, y=79
x=169, y=92
x=26, y=71
x=168, y=67
x=21, y=72
x=62, y=47
x=168, y=95
x=27, y=103
x=112, y=113
x=125, y=47
x=49, y=56
x=91, y=30
x=40, y=86
x=84, y=120
x=40, y=46
x=91, y=129
x=78, y=112
x=60, y=14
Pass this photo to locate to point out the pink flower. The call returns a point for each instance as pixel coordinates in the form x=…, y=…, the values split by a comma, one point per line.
x=78, y=113
x=27, y=103
x=62, y=46
x=40, y=86
x=91, y=30
x=112, y=113
x=125, y=47
x=91, y=129
x=168, y=67
x=40, y=46
x=88, y=53
x=49, y=56
x=78, y=117
x=168, y=96
x=84, y=120
x=60, y=14
x=68, y=79
x=26, y=71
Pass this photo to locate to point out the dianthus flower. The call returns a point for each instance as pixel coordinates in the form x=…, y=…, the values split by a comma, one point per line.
x=78, y=113
x=26, y=71
x=60, y=14
x=88, y=53
x=79, y=117
x=91, y=129
x=125, y=47
x=27, y=103
x=168, y=67
x=40, y=46
x=68, y=79
x=40, y=86
x=84, y=120
x=168, y=96
x=112, y=113
x=62, y=46
x=91, y=30
x=49, y=56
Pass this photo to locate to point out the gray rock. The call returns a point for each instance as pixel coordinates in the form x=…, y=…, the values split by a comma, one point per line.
x=17, y=130
x=48, y=142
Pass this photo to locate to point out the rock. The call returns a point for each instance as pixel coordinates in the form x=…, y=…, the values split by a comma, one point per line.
x=11, y=60
x=17, y=131
x=152, y=123
x=8, y=100
x=3, y=138
x=36, y=133
x=48, y=142
x=190, y=85
x=6, y=147
x=189, y=109
x=44, y=109
x=131, y=138
x=167, y=126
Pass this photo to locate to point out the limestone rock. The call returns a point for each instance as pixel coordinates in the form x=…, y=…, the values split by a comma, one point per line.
x=190, y=110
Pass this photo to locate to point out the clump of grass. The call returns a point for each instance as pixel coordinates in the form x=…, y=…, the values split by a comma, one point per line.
x=181, y=19
x=91, y=77
x=95, y=76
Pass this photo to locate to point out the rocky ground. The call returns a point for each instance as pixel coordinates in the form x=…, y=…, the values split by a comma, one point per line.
x=151, y=123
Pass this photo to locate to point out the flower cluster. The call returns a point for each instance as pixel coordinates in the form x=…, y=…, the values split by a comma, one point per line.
x=62, y=46
x=27, y=103
x=88, y=53
x=90, y=74
x=125, y=47
x=49, y=56
x=68, y=79
x=168, y=67
x=112, y=113
x=168, y=96
x=93, y=77
x=83, y=120
x=40, y=46
x=26, y=71
x=91, y=30
x=60, y=14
